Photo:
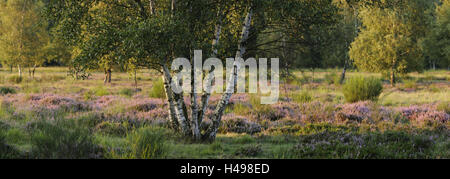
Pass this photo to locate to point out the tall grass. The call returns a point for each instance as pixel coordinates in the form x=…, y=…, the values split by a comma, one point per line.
x=63, y=139
x=144, y=143
x=157, y=90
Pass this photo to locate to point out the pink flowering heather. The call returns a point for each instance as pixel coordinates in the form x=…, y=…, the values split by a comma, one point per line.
x=422, y=113
x=288, y=110
x=145, y=105
x=317, y=112
x=238, y=124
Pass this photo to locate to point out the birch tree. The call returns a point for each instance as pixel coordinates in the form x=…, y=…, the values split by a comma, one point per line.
x=155, y=32
x=23, y=34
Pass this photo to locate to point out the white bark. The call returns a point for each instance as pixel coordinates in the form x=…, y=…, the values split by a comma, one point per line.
x=179, y=106
x=152, y=7
x=209, y=78
x=231, y=82
x=169, y=96
x=20, y=70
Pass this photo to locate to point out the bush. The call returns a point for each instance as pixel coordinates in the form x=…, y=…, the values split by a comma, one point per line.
x=146, y=143
x=63, y=139
x=7, y=151
x=362, y=89
x=127, y=92
x=112, y=128
x=15, y=79
x=157, y=90
x=101, y=91
x=7, y=90
x=410, y=84
x=238, y=124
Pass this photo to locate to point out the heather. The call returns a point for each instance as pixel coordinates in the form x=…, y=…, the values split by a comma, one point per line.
x=312, y=120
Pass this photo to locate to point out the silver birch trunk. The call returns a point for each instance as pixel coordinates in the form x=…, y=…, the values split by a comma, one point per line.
x=212, y=130
x=169, y=96
x=152, y=7
x=178, y=105
x=209, y=78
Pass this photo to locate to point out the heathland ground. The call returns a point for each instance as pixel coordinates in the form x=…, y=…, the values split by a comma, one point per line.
x=55, y=116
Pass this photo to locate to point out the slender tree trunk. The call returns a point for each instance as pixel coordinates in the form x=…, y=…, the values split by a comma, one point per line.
x=179, y=106
x=109, y=75
x=169, y=95
x=392, y=77
x=211, y=132
x=135, y=80
x=152, y=7
x=343, y=72
x=34, y=70
x=210, y=77
x=106, y=77
x=20, y=70
x=10, y=68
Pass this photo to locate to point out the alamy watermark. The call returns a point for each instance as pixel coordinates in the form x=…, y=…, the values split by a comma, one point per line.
x=257, y=76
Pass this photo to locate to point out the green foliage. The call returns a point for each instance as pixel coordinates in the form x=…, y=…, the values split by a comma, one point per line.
x=23, y=33
x=7, y=90
x=303, y=97
x=101, y=91
x=62, y=139
x=16, y=79
x=410, y=84
x=146, y=143
x=436, y=44
x=157, y=90
x=332, y=78
x=7, y=151
x=387, y=42
x=127, y=92
x=112, y=128
x=444, y=106
x=249, y=151
x=361, y=89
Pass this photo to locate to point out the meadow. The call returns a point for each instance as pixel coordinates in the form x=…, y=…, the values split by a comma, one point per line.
x=55, y=116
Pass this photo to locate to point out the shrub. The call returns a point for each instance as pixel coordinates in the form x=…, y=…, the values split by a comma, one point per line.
x=410, y=84
x=157, y=90
x=302, y=97
x=15, y=79
x=112, y=128
x=101, y=91
x=146, y=143
x=7, y=151
x=238, y=124
x=63, y=139
x=127, y=92
x=7, y=90
x=362, y=89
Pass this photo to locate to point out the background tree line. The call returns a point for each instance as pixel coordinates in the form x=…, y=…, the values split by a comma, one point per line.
x=390, y=37
x=29, y=38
